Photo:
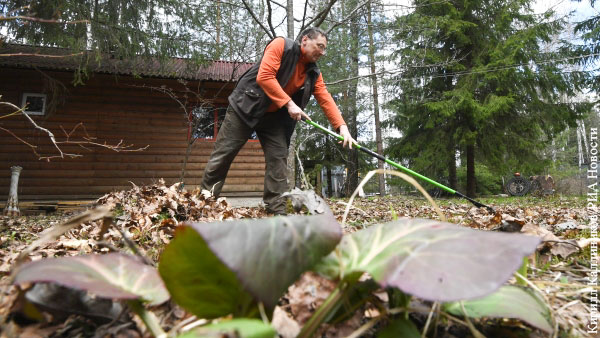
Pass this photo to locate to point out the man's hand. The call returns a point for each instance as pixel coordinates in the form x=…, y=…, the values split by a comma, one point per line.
x=345, y=133
x=295, y=112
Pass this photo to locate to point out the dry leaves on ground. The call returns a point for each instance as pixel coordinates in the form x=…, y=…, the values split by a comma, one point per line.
x=145, y=218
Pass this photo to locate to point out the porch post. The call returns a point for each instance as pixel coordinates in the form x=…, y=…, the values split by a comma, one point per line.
x=12, y=205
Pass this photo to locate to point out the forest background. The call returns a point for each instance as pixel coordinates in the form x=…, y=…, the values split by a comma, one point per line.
x=465, y=92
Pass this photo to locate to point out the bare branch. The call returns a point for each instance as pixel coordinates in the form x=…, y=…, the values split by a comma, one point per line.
x=87, y=140
x=278, y=4
x=304, y=15
x=320, y=17
x=22, y=140
x=271, y=36
x=270, y=18
x=348, y=17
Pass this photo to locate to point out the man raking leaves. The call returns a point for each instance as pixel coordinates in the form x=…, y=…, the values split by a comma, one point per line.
x=269, y=99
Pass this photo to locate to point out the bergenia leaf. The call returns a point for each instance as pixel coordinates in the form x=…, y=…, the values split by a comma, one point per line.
x=114, y=275
x=242, y=327
x=400, y=327
x=508, y=302
x=430, y=259
x=266, y=256
x=198, y=281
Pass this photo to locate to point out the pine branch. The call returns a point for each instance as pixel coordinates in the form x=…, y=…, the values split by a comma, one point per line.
x=34, y=19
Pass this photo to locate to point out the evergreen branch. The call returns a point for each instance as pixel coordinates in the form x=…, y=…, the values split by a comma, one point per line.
x=466, y=72
x=251, y=12
x=34, y=19
x=17, y=10
x=43, y=55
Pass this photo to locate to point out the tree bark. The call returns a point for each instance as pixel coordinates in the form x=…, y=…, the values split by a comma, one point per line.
x=292, y=150
x=378, y=137
x=352, y=165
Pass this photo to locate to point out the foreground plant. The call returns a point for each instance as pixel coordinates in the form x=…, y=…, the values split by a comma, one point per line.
x=241, y=268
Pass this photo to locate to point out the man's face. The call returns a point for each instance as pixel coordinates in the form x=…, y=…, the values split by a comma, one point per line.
x=314, y=48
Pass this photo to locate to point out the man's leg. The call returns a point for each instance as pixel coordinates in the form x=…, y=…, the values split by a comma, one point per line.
x=272, y=135
x=232, y=136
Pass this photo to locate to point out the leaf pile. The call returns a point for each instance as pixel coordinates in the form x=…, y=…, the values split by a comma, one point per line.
x=170, y=205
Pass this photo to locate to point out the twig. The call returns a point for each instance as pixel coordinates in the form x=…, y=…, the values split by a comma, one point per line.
x=348, y=17
x=470, y=325
x=42, y=55
x=269, y=18
x=271, y=36
x=321, y=15
x=429, y=316
x=364, y=328
x=149, y=318
x=137, y=251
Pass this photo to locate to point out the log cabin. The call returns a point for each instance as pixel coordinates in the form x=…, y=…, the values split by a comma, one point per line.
x=145, y=110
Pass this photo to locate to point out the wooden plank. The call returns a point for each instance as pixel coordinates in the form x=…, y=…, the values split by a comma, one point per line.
x=128, y=174
x=27, y=183
x=62, y=166
x=94, y=190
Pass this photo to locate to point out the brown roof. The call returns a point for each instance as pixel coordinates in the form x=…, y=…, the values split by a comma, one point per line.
x=50, y=58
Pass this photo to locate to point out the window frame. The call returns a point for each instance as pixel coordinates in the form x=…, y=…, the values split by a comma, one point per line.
x=34, y=112
x=216, y=124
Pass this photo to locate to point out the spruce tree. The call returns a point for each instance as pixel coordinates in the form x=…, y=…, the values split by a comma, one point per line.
x=478, y=80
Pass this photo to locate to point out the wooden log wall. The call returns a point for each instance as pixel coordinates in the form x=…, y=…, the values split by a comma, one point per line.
x=110, y=109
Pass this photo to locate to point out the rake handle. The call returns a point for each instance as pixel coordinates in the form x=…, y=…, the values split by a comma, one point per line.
x=396, y=165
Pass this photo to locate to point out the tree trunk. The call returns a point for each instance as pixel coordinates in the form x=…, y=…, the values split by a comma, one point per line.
x=352, y=165
x=452, y=179
x=378, y=138
x=290, y=18
x=329, y=159
x=292, y=150
x=471, y=182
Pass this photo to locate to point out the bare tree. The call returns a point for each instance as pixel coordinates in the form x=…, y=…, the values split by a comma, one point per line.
x=378, y=138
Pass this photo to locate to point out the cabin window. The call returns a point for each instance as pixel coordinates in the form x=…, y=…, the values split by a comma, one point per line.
x=206, y=122
x=34, y=103
x=203, y=122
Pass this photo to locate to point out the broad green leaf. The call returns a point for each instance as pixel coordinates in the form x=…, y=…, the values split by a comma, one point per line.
x=113, y=275
x=266, y=256
x=242, y=327
x=400, y=327
x=507, y=302
x=198, y=281
x=430, y=259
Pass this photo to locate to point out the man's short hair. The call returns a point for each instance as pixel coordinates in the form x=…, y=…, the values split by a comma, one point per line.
x=312, y=33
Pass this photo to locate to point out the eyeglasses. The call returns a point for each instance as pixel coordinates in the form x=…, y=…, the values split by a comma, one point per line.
x=322, y=48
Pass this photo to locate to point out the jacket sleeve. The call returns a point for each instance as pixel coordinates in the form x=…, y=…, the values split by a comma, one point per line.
x=327, y=104
x=267, y=73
